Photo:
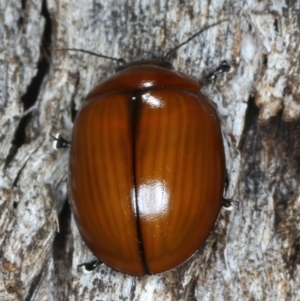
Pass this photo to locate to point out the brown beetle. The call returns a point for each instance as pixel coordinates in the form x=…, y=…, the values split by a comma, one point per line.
x=147, y=168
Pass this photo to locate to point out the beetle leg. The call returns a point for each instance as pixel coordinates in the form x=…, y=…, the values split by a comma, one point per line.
x=59, y=141
x=89, y=266
x=227, y=204
x=224, y=67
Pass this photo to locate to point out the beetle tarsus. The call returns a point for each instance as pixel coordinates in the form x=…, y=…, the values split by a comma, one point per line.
x=60, y=142
x=227, y=204
x=224, y=67
x=89, y=266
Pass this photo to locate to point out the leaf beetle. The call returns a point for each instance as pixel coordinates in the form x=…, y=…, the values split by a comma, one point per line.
x=147, y=166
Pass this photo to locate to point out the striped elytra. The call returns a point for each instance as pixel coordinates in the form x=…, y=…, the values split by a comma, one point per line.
x=147, y=169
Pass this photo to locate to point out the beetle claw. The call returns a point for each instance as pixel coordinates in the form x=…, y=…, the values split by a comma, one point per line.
x=224, y=67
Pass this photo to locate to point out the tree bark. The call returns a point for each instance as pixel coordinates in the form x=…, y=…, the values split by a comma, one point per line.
x=253, y=253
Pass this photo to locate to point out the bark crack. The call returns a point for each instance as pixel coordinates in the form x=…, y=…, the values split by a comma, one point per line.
x=30, y=97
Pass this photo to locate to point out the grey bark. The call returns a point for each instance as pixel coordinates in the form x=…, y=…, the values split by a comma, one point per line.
x=253, y=252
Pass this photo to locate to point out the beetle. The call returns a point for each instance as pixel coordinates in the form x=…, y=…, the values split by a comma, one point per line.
x=147, y=167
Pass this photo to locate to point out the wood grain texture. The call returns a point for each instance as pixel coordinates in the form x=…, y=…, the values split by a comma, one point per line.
x=253, y=252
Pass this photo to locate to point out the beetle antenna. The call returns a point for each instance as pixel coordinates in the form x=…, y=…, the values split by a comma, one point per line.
x=174, y=49
x=119, y=60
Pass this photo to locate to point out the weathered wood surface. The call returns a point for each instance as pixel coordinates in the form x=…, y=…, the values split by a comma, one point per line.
x=254, y=251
